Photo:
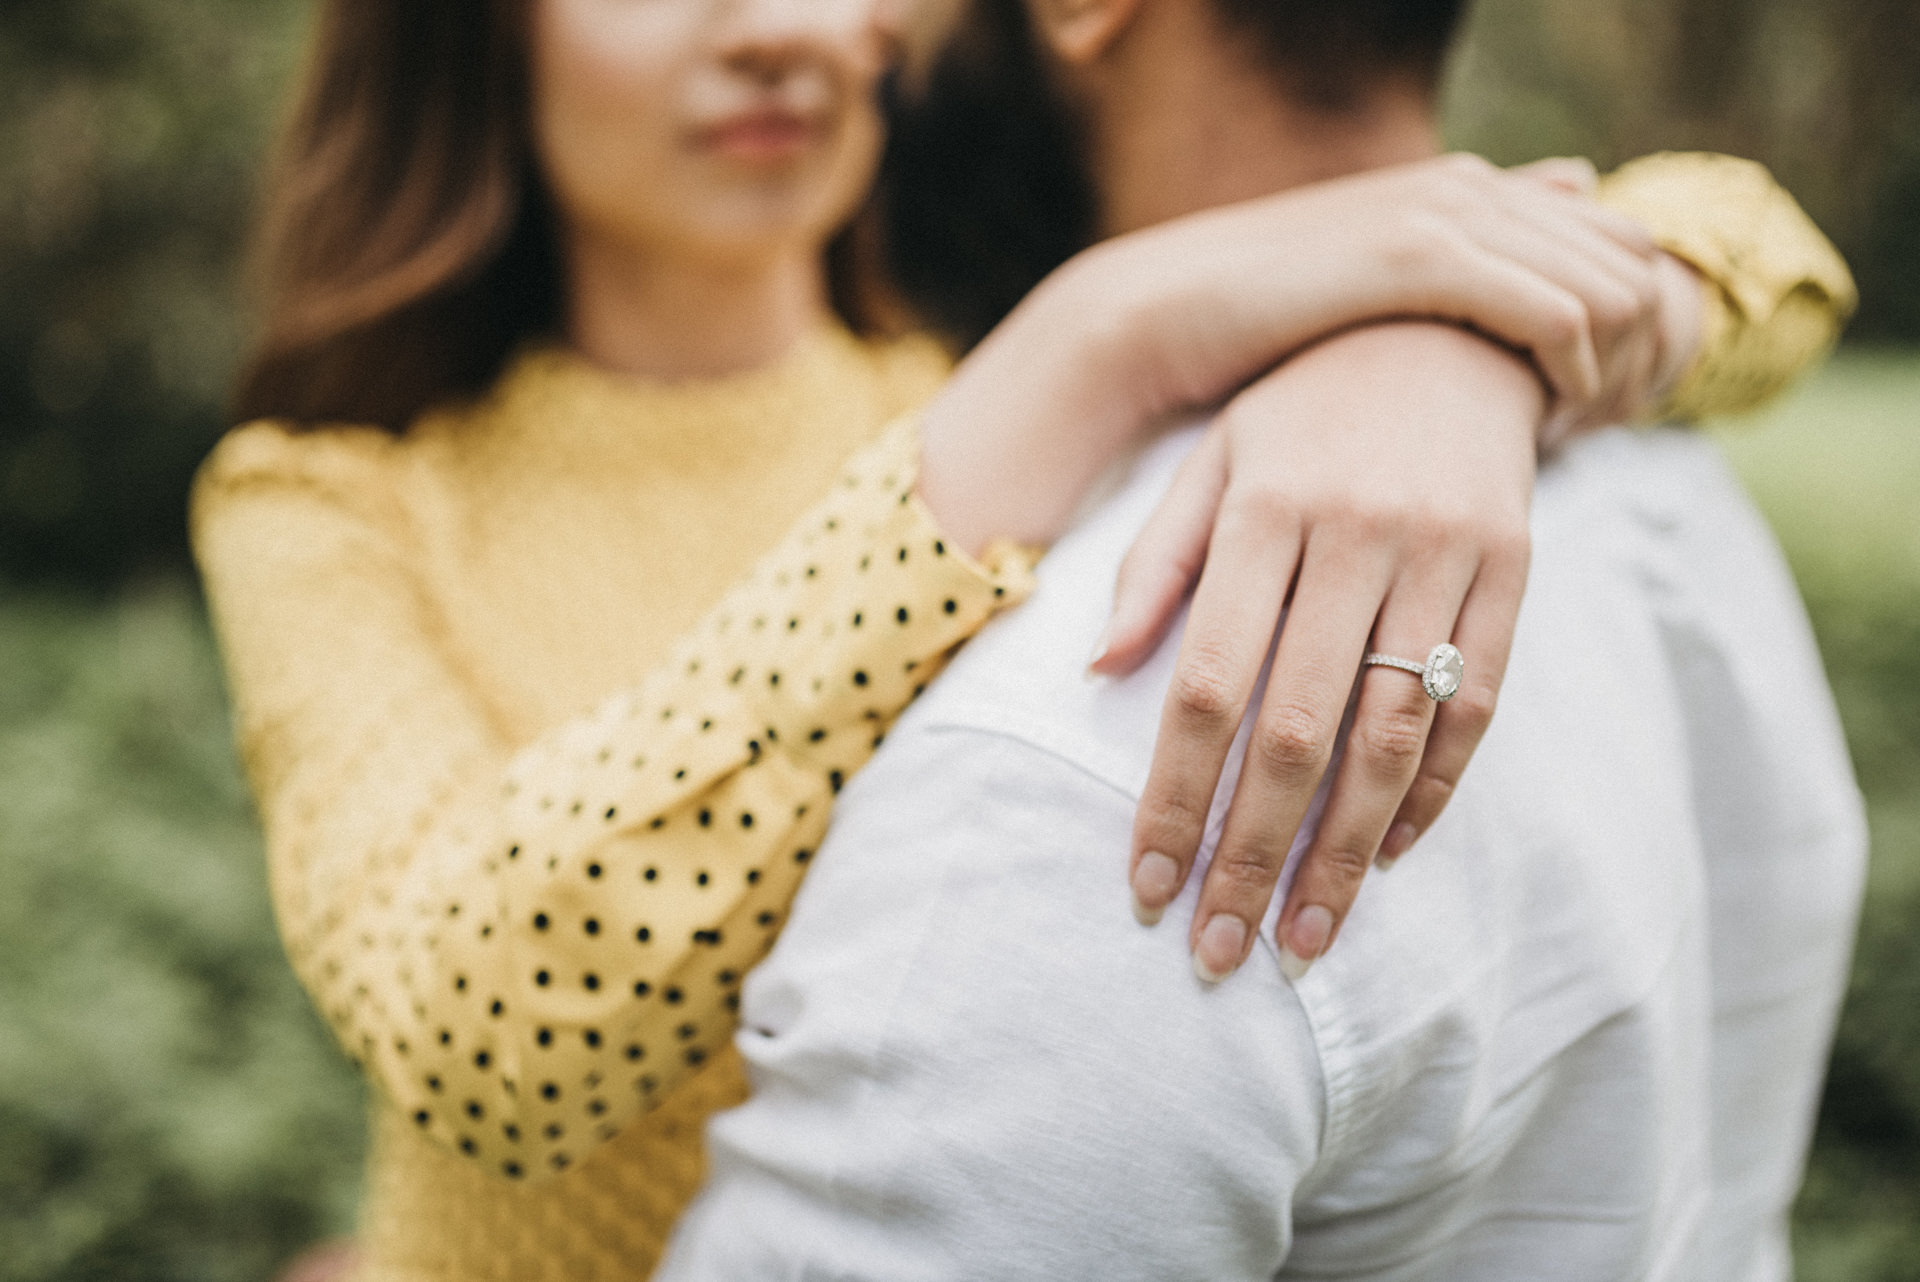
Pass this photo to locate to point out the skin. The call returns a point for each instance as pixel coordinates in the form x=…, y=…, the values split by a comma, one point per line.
x=1338, y=503
x=702, y=152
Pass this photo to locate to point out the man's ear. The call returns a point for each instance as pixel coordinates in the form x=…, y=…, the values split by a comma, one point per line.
x=1079, y=31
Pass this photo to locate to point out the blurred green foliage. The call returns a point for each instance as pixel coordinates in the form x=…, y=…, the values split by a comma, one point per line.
x=172, y=1111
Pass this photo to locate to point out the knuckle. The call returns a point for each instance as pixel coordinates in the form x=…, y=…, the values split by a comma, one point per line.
x=1426, y=799
x=1394, y=738
x=1343, y=864
x=1473, y=707
x=1246, y=870
x=1202, y=691
x=1169, y=819
x=1290, y=743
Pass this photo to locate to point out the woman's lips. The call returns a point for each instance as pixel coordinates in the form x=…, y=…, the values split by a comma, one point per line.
x=761, y=137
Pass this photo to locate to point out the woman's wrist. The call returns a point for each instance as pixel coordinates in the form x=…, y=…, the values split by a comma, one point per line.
x=1034, y=414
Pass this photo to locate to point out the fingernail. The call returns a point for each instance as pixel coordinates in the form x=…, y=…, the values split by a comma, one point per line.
x=1101, y=646
x=1399, y=839
x=1156, y=880
x=1306, y=940
x=1221, y=944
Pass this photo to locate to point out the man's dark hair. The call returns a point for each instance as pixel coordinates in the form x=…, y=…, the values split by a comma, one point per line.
x=1328, y=52
x=985, y=187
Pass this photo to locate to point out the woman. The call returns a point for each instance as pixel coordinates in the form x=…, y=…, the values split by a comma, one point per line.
x=542, y=734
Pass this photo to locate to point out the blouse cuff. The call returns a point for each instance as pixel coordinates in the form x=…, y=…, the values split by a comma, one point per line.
x=1775, y=291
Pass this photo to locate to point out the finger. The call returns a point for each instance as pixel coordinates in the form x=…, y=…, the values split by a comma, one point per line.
x=1530, y=311
x=1342, y=583
x=1484, y=635
x=1618, y=291
x=1381, y=756
x=1235, y=610
x=1572, y=174
x=1165, y=560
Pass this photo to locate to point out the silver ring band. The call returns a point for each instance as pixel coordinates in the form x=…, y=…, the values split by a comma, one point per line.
x=1440, y=675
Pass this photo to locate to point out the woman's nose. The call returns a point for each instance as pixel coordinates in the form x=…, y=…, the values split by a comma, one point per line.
x=768, y=37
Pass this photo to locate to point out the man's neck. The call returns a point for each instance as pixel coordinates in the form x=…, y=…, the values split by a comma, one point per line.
x=1189, y=121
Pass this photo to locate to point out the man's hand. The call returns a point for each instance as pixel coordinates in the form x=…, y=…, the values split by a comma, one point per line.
x=1380, y=481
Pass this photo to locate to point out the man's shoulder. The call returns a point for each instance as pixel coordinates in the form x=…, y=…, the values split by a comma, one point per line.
x=1025, y=676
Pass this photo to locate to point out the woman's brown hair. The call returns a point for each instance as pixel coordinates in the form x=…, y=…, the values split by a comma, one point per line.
x=407, y=245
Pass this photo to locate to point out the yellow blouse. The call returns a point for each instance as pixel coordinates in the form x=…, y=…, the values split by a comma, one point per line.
x=542, y=739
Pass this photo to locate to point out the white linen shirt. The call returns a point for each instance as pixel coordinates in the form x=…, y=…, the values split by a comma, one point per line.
x=1576, y=1034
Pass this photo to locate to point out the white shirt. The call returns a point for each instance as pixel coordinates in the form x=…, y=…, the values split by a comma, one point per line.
x=1577, y=1033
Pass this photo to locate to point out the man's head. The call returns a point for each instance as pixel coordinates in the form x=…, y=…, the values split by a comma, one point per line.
x=1046, y=124
x=1323, y=55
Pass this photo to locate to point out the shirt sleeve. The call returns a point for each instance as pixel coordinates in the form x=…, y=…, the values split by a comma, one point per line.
x=526, y=945
x=969, y=1061
x=1776, y=291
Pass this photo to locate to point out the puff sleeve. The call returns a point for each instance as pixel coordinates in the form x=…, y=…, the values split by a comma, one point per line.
x=525, y=945
x=1776, y=292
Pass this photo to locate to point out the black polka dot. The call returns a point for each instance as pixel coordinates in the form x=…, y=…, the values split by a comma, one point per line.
x=591, y=925
x=950, y=605
x=541, y=921
x=549, y=1090
x=636, y=1051
x=481, y=1059
x=746, y=819
x=511, y=1170
x=644, y=934
x=544, y=1037
x=594, y=871
x=554, y=1130
x=674, y=996
x=467, y=1146
x=542, y=978
x=422, y=1118
x=474, y=1110
x=591, y=1037
x=651, y=874
x=590, y=980
x=860, y=678
x=702, y=879
x=706, y=818
x=900, y=615
x=498, y=1008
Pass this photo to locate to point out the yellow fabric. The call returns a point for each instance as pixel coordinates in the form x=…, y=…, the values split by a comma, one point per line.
x=524, y=906
x=1776, y=291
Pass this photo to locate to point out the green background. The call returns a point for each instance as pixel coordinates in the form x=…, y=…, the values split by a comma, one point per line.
x=170, y=1109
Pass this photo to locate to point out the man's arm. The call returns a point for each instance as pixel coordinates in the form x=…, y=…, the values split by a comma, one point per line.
x=970, y=1061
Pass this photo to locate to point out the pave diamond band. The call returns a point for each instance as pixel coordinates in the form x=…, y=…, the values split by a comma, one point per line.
x=1439, y=675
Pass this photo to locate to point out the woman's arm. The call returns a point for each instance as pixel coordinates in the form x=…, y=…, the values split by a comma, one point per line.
x=1379, y=469
x=524, y=945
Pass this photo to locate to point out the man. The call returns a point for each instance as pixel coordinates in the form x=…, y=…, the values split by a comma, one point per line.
x=1577, y=1035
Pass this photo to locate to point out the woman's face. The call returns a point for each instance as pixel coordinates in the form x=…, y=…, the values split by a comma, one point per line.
x=720, y=129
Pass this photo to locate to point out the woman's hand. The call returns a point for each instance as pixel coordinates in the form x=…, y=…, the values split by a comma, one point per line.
x=1380, y=480
x=1178, y=316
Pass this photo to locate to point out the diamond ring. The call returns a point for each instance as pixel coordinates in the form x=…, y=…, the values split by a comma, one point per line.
x=1439, y=675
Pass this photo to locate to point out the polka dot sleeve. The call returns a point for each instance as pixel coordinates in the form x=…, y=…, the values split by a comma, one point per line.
x=1776, y=291
x=526, y=950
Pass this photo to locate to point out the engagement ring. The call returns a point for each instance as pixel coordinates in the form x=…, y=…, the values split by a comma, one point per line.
x=1439, y=675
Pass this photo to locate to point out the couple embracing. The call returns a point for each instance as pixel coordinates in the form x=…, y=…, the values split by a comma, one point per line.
x=598, y=516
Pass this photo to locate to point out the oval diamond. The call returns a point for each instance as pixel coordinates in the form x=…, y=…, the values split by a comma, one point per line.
x=1445, y=667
